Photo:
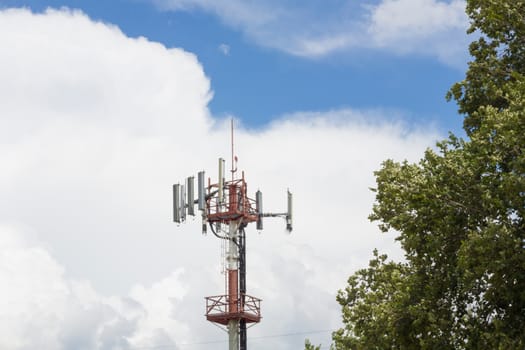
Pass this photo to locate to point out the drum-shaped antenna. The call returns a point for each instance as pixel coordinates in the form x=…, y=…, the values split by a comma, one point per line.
x=190, y=188
x=176, y=203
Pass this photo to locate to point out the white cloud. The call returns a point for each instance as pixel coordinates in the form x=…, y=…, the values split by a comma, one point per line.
x=395, y=19
x=94, y=129
x=434, y=28
x=224, y=49
x=43, y=308
x=234, y=12
x=428, y=26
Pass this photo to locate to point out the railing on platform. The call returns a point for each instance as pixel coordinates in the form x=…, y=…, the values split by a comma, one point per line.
x=220, y=308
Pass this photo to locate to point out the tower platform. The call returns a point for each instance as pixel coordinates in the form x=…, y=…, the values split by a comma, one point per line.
x=220, y=309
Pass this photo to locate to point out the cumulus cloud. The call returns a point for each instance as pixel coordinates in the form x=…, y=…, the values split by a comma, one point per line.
x=428, y=26
x=95, y=127
x=43, y=308
x=434, y=28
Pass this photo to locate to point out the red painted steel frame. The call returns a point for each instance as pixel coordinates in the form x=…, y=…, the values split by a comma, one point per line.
x=219, y=309
x=224, y=308
x=238, y=206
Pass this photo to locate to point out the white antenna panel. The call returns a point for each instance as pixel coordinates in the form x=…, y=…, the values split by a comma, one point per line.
x=289, y=214
x=190, y=188
x=183, y=203
x=259, y=207
x=176, y=203
x=201, y=191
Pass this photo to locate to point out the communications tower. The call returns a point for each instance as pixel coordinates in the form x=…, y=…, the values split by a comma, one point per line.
x=227, y=210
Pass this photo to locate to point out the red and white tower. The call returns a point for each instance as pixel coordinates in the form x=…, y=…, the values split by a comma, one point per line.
x=227, y=210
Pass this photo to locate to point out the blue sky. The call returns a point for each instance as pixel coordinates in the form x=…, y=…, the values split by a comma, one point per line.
x=258, y=83
x=98, y=121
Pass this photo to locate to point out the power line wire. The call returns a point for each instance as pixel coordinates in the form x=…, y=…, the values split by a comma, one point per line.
x=225, y=341
x=291, y=334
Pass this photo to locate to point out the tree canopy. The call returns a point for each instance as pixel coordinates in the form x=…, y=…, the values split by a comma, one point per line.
x=459, y=215
x=498, y=57
x=309, y=346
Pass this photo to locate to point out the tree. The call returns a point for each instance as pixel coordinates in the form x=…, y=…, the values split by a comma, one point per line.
x=499, y=54
x=459, y=213
x=309, y=346
x=371, y=304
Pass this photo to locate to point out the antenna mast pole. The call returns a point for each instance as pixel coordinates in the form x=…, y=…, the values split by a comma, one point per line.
x=233, y=154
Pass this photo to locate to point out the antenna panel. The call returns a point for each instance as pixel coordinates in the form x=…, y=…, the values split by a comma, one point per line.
x=289, y=214
x=204, y=226
x=190, y=188
x=176, y=203
x=183, y=203
x=259, y=208
x=201, y=191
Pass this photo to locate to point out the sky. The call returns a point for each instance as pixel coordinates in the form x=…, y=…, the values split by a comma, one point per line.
x=105, y=104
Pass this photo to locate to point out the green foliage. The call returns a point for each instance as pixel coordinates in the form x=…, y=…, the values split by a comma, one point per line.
x=372, y=305
x=499, y=54
x=309, y=346
x=459, y=215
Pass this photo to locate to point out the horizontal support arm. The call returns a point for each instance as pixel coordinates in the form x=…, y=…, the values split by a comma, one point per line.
x=274, y=215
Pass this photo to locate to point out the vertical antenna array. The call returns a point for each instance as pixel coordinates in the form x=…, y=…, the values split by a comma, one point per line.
x=227, y=210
